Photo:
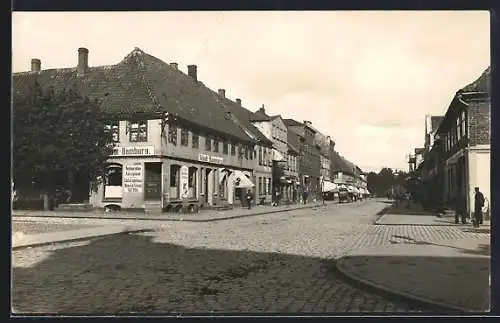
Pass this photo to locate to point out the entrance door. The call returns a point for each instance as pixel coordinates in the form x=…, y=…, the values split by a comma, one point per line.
x=152, y=179
x=206, y=183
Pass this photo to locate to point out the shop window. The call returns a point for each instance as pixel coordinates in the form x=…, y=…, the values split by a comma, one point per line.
x=260, y=186
x=172, y=134
x=174, y=180
x=269, y=186
x=113, y=181
x=193, y=171
x=114, y=129
x=208, y=143
x=138, y=131
x=184, y=137
x=225, y=148
x=233, y=149
x=195, y=141
x=216, y=145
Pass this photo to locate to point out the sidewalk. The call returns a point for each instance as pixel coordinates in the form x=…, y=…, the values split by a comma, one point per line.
x=203, y=216
x=451, y=274
x=20, y=240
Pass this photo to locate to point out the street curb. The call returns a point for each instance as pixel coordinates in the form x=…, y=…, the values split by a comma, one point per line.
x=165, y=219
x=46, y=243
x=439, y=306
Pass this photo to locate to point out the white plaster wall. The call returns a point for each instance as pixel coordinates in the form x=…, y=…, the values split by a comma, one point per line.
x=479, y=175
x=265, y=128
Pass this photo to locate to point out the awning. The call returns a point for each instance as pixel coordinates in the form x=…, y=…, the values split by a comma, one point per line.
x=277, y=155
x=241, y=180
x=223, y=172
x=329, y=186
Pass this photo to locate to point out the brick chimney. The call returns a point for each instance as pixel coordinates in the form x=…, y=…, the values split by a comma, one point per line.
x=36, y=65
x=174, y=66
x=192, y=71
x=222, y=93
x=262, y=109
x=83, y=60
x=238, y=101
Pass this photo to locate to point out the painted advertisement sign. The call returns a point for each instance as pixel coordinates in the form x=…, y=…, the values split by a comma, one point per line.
x=133, y=178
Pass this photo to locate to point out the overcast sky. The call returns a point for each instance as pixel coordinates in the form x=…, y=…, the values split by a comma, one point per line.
x=365, y=78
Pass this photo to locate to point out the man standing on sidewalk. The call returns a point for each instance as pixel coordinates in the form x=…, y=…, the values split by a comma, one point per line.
x=478, y=207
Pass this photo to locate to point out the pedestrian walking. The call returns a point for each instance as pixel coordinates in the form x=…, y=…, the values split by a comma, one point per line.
x=478, y=207
x=304, y=196
x=249, y=199
x=460, y=208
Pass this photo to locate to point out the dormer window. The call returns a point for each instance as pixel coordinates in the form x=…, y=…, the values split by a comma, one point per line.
x=138, y=131
x=114, y=129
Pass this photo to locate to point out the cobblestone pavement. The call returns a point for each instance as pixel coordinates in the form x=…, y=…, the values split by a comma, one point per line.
x=35, y=227
x=276, y=263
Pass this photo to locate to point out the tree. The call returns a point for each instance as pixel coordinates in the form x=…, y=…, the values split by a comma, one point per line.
x=58, y=137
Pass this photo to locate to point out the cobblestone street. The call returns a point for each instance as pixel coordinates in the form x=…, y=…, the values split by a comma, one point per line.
x=271, y=263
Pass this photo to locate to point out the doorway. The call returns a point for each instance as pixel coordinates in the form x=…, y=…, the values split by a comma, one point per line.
x=152, y=182
x=206, y=184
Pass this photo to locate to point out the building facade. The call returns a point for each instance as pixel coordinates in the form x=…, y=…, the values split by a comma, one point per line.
x=284, y=185
x=459, y=160
x=177, y=145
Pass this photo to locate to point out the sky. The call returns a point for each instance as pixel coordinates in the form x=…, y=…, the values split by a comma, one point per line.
x=365, y=78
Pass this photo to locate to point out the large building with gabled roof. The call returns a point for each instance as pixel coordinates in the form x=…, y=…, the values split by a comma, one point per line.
x=178, y=145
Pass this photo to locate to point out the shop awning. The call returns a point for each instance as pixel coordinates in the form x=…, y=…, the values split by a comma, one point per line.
x=329, y=186
x=241, y=180
x=277, y=155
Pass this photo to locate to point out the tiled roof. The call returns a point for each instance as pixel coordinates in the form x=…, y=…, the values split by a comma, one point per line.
x=292, y=123
x=436, y=122
x=482, y=84
x=243, y=117
x=293, y=141
x=141, y=83
x=339, y=164
x=260, y=116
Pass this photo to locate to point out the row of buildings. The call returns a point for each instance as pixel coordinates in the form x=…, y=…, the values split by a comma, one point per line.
x=178, y=142
x=456, y=154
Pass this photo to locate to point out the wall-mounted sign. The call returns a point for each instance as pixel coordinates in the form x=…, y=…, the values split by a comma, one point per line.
x=183, y=181
x=133, y=178
x=134, y=151
x=210, y=159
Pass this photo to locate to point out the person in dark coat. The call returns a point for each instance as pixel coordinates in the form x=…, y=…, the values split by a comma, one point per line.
x=478, y=207
x=249, y=198
x=304, y=196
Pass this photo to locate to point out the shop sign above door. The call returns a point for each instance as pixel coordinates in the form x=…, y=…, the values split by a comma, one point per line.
x=210, y=159
x=134, y=151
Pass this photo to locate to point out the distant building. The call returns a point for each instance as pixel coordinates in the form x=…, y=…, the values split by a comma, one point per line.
x=309, y=158
x=284, y=161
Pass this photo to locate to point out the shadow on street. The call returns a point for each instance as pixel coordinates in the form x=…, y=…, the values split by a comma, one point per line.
x=132, y=274
x=457, y=281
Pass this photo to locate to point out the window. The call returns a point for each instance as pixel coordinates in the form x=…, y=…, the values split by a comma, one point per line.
x=225, y=148
x=172, y=134
x=259, y=152
x=268, y=186
x=174, y=170
x=463, y=124
x=260, y=186
x=138, y=131
x=114, y=129
x=233, y=149
x=184, y=137
x=216, y=145
x=250, y=152
x=195, y=141
x=208, y=143
x=459, y=129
